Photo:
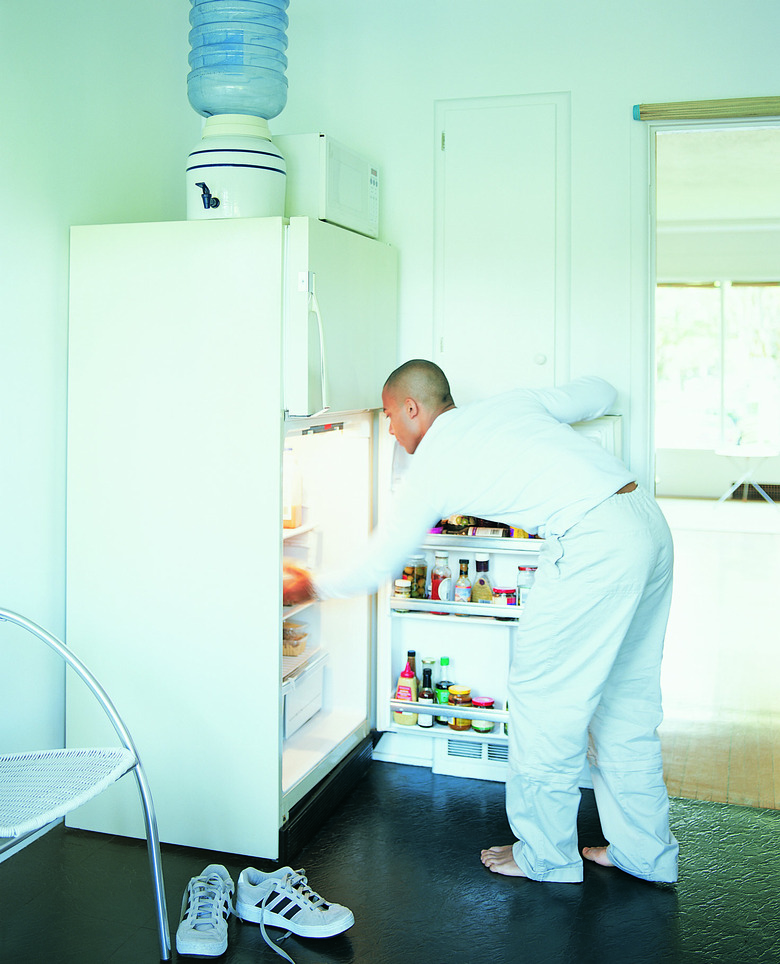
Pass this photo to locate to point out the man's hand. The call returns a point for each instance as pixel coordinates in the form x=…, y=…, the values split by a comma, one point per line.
x=297, y=585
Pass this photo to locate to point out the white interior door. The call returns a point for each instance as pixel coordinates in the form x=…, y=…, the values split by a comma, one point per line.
x=502, y=230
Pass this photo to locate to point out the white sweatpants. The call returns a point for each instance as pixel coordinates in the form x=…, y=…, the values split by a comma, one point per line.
x=585, y=678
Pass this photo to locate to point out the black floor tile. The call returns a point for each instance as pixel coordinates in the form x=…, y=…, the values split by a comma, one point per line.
x=403, y=854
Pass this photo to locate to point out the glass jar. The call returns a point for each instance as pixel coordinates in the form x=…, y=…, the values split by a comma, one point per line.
x=419, y=576
x=459, y=696
x=402, y=590
x=525, y=579
x=482, y=703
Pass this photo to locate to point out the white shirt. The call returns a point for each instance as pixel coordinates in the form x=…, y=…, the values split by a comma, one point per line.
x=512, y=458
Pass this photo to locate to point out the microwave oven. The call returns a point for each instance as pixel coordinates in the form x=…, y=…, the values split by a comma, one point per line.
x=328, y=181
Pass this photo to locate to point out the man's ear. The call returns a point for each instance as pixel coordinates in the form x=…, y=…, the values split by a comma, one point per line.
x=411, y=408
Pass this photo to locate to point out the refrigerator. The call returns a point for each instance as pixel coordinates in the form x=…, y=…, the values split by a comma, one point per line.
x=199, y=352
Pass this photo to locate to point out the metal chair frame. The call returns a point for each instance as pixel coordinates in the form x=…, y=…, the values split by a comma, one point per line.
x=119, y=763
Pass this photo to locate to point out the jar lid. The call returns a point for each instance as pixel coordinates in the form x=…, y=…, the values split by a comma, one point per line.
x=484, y=701
x=403, y=583
x=460, y=690
x=482, y=556
x=503, y=592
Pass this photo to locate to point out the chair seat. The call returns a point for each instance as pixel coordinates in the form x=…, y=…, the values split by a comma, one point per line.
x=39, y=787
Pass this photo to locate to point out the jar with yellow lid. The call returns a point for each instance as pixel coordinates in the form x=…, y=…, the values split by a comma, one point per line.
x=459, y=696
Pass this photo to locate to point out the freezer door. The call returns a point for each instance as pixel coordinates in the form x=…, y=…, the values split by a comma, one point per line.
x=340, y=338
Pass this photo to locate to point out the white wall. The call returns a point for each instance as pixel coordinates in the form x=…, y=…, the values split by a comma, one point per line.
x=96, y=127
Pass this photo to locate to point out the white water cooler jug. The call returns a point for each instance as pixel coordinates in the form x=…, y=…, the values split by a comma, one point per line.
x=235, y=171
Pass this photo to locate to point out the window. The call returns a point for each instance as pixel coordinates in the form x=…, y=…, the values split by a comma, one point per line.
x=717, y=364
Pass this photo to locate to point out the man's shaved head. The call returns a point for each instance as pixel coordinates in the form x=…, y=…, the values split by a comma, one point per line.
x=423, y=381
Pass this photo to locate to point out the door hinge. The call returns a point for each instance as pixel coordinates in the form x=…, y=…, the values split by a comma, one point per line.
x=442, y=140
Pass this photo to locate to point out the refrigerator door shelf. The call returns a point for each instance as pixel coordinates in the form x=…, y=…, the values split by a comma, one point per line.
x=461, y=712
x=491, y=613
x=464, y=543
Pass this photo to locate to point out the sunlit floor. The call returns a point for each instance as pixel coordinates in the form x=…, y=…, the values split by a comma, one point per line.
x=721, y=732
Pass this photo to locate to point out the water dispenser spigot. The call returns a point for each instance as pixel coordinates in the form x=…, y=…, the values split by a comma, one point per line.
x=206, y=197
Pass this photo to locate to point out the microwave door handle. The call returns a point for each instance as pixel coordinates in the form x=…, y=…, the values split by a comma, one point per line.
x=314, y=308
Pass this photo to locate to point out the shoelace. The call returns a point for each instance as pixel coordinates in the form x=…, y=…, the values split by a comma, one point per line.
x=205, y=896
x=294, y=885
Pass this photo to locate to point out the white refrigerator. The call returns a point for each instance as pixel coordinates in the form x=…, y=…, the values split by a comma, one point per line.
x=195, y=351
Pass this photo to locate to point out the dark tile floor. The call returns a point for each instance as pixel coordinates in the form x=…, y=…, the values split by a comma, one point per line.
x=403, y=854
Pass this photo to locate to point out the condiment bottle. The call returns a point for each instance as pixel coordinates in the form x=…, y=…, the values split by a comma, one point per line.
x=459, y=696
x=463, y=583
x=525, y=579
x=411, y=659
x=406, y=690
x=482, y=590
x=441, y=579
x=443, y=687
x=426, y=695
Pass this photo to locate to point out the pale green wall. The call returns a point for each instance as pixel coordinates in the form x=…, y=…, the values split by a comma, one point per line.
x=95, y=126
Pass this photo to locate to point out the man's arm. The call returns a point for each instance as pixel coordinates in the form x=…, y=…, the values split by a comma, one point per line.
x=583, y=399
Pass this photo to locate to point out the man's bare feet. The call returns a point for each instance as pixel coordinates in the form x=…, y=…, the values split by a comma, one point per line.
x=598, y=855
x=500, y=860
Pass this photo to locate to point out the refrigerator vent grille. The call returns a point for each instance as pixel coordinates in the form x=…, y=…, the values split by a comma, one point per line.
x=498, y=752
x=464, y=748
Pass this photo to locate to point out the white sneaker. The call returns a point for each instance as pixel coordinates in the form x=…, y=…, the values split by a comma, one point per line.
x=204, y=913
x=284, y=899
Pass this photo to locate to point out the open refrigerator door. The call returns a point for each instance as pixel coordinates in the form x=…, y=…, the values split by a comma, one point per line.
x=328, y=644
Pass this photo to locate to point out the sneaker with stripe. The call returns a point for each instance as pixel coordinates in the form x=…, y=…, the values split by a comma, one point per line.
x=205, y=910
x=285, y=899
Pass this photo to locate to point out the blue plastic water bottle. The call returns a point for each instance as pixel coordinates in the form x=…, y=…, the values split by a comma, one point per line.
x=237, y=60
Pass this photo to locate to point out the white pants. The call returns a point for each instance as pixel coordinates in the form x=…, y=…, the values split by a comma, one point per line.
x=585, y=679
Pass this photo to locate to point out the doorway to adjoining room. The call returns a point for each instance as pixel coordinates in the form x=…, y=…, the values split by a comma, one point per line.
x=717, y=451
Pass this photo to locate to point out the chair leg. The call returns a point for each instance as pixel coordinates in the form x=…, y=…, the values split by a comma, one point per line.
x=155, y=863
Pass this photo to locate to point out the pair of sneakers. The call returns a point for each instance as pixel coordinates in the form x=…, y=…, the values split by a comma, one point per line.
x=282, y=898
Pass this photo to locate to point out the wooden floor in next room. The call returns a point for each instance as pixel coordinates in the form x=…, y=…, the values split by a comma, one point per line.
x=721, y=729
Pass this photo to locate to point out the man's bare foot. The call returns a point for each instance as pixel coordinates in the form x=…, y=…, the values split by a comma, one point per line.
x=500, y=860
x=598, y=855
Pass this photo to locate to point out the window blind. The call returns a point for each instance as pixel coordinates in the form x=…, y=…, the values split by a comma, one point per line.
x=709, y=109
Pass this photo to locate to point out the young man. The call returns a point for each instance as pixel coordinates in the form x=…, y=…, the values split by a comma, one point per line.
x=585, y=671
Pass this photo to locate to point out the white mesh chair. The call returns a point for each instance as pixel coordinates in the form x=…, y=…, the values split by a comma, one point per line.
x=38, y=788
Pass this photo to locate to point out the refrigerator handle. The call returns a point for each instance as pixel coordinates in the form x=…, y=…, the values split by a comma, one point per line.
x=314, y=308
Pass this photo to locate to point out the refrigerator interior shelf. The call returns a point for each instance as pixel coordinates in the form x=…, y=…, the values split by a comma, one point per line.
x=462, y=543
x=490, y=613
x=289, y=535
x=295, y=666
x=302, y=688
x=289, y=611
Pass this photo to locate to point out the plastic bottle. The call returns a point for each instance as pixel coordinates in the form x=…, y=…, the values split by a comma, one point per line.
x=426, y=695
x=237, y=60
x=292, y=491
x=411, y=659
x=406, y=690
